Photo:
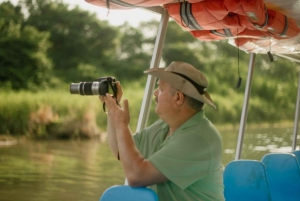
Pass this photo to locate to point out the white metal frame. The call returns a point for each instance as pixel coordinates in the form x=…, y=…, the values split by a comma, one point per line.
x=156, y=57
x=243, y=121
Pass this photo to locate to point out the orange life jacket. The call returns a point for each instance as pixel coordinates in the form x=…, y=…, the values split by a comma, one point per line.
x=221, y=34
x=280, y=26
x=215, y=35
x=196, y=1
x=250, y=33
x=254, y=10
x=204, y=15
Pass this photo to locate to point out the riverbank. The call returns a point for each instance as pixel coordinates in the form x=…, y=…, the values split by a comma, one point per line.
x=282, y=124
x=57, y=114
x=7, y=140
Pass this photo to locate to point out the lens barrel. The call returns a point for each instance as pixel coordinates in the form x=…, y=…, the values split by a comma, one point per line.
x=85, y=88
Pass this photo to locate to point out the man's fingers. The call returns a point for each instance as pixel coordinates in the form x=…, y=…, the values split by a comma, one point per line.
x=108, y=96
x=118, y=85
x=108, y=99
x=126, y=106
x=101, y=98
x=119, y=91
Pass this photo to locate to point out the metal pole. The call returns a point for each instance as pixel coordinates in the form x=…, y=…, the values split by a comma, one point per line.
x=148, y=94
x=294, y=143
x=245, y=108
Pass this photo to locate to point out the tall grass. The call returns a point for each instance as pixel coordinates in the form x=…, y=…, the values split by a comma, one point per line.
x=58, y=114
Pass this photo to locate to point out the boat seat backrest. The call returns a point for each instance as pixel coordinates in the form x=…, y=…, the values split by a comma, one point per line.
x=297, y=154
x=246, y=180
x=283, y=176
x=127, y=193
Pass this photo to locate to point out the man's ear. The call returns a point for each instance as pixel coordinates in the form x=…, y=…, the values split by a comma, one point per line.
x=179, y=98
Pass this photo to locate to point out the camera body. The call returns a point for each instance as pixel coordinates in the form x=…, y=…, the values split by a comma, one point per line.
x=101, y=86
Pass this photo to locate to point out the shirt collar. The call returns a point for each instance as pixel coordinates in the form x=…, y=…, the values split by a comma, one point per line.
x=199, y=116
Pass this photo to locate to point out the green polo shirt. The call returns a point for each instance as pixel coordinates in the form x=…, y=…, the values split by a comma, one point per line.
x=190, y=159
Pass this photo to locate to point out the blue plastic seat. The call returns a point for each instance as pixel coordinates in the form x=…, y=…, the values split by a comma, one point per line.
x=283, y=176
x=245, y=180
x=127, y=193
x=297, y=154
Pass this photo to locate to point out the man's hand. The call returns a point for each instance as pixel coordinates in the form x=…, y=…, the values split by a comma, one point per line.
x=119, y=93
x=111, y=132
x=119, y=117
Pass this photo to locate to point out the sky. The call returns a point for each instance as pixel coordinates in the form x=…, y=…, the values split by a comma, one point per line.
x=115, y=17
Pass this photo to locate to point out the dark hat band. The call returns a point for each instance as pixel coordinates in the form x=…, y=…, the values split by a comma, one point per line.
x=200, y=88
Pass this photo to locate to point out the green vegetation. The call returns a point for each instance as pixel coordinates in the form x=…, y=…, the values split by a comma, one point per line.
x=58, y=114
x=46, y=45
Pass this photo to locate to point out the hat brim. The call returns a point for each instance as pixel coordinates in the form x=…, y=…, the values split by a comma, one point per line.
x=181, y=84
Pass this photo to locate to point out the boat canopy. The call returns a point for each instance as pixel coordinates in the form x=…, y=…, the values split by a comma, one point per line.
x=256, y=26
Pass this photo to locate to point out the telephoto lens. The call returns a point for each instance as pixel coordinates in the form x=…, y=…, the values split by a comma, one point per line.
x=102, y=86
x=89, y=88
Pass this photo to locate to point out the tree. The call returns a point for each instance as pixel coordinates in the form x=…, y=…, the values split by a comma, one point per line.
x=9, y=13
x=78, y=39
x=23, y=59
x=133, y=53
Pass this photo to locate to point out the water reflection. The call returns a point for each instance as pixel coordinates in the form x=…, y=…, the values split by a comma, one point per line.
x=82, y=170
x=258, y=142
x=57, y=170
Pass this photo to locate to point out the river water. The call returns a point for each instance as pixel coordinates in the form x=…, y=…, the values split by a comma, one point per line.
x=82, y=170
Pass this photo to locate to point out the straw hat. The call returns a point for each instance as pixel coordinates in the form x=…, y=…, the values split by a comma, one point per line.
x=185, y=78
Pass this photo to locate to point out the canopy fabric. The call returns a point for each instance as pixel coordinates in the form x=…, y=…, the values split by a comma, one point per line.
x=256, y=26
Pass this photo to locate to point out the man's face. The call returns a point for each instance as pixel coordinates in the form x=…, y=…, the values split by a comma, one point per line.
x=164, y=97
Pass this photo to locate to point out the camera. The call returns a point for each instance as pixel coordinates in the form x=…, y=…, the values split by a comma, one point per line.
x=101, y=86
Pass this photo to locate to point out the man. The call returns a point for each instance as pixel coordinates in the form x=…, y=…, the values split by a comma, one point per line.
x=179, y=156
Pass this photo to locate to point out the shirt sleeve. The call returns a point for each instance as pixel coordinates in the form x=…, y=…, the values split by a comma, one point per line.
x=143, y=138
x=184, y=159
x=137, y=140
